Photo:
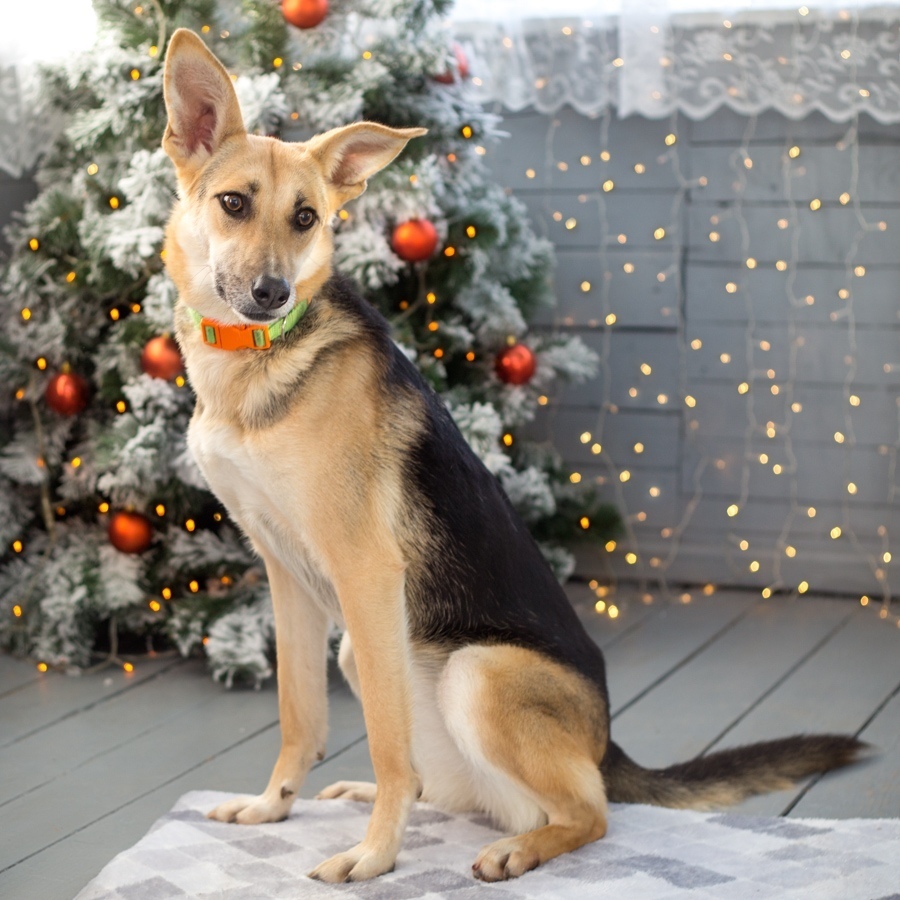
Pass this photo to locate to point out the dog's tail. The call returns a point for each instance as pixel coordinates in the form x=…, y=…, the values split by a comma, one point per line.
x=726, y=777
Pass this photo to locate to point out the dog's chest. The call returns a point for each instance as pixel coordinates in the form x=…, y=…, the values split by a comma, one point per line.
x=268, y=507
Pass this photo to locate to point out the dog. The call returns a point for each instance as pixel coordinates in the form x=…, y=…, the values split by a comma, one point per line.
x=479, y=687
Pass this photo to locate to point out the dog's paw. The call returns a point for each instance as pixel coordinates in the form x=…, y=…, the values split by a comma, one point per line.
x=251, y=810
x=349, y=790
x=504, y=859
x=357, y=864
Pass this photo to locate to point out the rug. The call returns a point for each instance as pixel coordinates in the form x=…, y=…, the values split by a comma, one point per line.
x=648, y=853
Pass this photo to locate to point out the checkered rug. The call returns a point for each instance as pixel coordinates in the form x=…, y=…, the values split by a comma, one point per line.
x=648, y=853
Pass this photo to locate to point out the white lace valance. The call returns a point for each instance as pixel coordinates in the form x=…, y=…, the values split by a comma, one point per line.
x=654, y=62
x=651, y=58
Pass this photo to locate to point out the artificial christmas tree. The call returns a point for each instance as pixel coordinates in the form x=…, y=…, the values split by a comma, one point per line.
x=85, y=288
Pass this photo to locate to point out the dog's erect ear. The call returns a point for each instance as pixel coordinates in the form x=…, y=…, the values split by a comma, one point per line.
x=351, y=154
x=200, y=100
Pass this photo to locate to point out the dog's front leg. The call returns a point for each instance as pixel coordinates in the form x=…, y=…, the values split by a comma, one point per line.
x=301, y=629
x=372, y=600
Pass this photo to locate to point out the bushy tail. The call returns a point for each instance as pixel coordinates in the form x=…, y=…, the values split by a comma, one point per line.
x=724, y=778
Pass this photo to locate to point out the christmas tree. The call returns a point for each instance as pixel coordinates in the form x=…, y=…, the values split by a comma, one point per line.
x=111, y=538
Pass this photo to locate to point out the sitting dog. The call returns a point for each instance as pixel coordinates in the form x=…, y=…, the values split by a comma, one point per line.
x=479, y=686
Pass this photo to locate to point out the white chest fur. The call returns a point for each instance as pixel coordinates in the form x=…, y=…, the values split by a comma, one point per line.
x=265, y=500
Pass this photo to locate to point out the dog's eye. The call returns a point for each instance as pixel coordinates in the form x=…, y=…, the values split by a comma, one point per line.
x=232, y=203
x=305, y=218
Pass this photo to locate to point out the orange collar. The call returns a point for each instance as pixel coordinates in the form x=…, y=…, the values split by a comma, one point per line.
x=246, y=337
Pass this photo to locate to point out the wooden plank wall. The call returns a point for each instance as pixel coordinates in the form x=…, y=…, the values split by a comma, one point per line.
x=736, y=276
x=601, y=189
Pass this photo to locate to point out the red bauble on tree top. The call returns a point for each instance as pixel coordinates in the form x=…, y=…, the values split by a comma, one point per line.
x=462, y=68
x=66, y=393
x=161, y=358
x=304, y=13
x=415, y=240
x=130, y=532
x=515, y=364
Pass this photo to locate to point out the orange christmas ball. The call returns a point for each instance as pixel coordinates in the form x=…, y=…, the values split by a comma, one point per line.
x=462, y=67
x=515, y=364
x=130, y=532
x=66, y=393
x=161, y=358
x=415, y=240
x=304, y=13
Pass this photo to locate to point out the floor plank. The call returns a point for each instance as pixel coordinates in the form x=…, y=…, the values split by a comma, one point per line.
x=15, y=673
x=662, y=644
x=606, y=631
x=63, y=746
x=697, y=702
x=54, y=696
x=829, y=692
x=243, y=768
x=871, y=789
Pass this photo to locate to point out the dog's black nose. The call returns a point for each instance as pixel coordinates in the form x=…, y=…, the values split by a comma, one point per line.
x=270, y=292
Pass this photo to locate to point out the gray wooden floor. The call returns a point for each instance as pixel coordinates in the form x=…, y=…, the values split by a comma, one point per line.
x=88, y=763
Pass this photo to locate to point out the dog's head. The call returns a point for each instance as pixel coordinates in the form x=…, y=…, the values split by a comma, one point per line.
x=253, y=227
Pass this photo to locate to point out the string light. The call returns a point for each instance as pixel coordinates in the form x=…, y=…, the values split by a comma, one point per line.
x=778, y=424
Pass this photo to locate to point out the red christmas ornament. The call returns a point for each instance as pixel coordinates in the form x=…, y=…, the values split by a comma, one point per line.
x=462, y=67
x=414, y=240
x=161, y=358
x=67, y=393
x=515, y=364
x=130, y=532
x=304, y=13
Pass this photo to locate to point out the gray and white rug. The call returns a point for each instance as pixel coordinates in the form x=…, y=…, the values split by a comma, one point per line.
x=648, y=853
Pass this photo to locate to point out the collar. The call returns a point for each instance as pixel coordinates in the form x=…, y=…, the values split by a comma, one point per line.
x=249, y=337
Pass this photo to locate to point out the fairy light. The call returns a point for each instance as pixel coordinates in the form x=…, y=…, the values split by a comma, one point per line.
x=742, y=370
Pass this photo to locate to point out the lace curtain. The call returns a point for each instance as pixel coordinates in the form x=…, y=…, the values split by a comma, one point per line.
x=656, y=57
x=652, y=57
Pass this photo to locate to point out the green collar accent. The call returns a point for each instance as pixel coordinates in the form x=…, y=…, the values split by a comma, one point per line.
x=246, y=337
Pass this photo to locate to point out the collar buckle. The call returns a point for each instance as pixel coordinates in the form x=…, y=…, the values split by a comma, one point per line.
x=234, y=337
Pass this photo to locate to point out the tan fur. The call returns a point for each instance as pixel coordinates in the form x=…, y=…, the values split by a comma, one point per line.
x=317, y=477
